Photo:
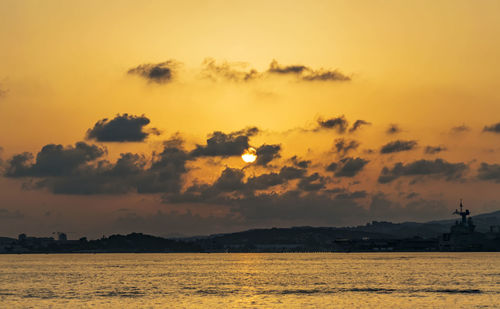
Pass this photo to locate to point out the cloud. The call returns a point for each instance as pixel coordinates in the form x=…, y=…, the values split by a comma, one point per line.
x=53, y=160
x=393, y=129
x=313, y=182
x=347, y=167
x=160, y=73
x=167, y=169
x=122, y=128
x=412, y=195
x=343, y=146
x=495, y=128
x=460, y=129
x=438, y=168
x=267, y=153
x=434, y=149
x=274, y=67
x=225, y=145
x=382, y=208
x=290, y=172
x=352, y=195
x=300, y=163
x=230, y=180
x=231, y=184
x=489, y=172
x=306, y=73
x=165, y=72
x=357, y=124
x=265, y=181
x=80, y=170
x=398, y=146
x=294, y=207
x=338, y=123
x=228, y=71
x=325, y=75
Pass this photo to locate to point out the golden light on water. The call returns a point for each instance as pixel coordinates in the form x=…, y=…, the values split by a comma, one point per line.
x=249, y=155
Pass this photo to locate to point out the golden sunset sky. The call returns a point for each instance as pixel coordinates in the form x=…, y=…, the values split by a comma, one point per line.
x=301, y=72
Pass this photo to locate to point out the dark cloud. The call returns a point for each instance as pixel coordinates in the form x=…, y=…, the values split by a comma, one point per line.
x=225, y=145
x=274, y=67
x=166, y=171
x=230, y=180
x=343, y=146
x=398, y=146
x=434, y=149
x=347, y=167
x=357, y=124
x=231, y=184
x=228, y=71
x=290, y=172
x=412, y=195
x=267, y=153
x=324, y=75
x=300, y=163
x=495, y=128
x=80, y=170
x=53, y=160
x=489, y=172
x=306, y=73
x=164, y=72
x=338, y=123
x=122, y=128
x=160, y=73
x=393, y=129
x=438, y=168
x=265, y=181
x=313, y=182
x=294, y=207
x=460, y=129
x=383, y=208
x=352, y=195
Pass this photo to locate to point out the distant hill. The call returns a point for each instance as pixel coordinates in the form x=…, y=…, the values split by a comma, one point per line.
x=372, y=230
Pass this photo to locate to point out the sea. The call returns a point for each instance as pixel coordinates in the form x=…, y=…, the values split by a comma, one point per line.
x=251, y=280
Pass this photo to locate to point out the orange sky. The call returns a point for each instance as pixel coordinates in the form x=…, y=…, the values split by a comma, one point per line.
x=426, y=66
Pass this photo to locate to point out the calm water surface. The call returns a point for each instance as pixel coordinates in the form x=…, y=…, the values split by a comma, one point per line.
x=281, y=280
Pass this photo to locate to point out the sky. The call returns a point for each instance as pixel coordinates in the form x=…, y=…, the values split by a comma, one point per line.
x=131, y=116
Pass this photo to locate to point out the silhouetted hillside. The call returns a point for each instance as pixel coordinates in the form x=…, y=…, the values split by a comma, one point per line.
x=374, y=236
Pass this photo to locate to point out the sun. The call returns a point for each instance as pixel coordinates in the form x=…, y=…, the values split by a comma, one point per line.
x=249, y=155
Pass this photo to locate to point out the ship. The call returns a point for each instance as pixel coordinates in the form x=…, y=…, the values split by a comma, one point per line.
x=464, y=237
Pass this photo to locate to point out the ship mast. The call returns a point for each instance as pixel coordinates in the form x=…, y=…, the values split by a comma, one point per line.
x=462, y=213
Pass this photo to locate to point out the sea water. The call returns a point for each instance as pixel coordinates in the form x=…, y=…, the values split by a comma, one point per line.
x=253, y=280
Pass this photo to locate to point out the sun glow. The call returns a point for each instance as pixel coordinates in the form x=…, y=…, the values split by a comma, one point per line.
x=249, y=155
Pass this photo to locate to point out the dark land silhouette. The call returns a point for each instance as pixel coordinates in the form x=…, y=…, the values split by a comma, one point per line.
x=479, y=234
